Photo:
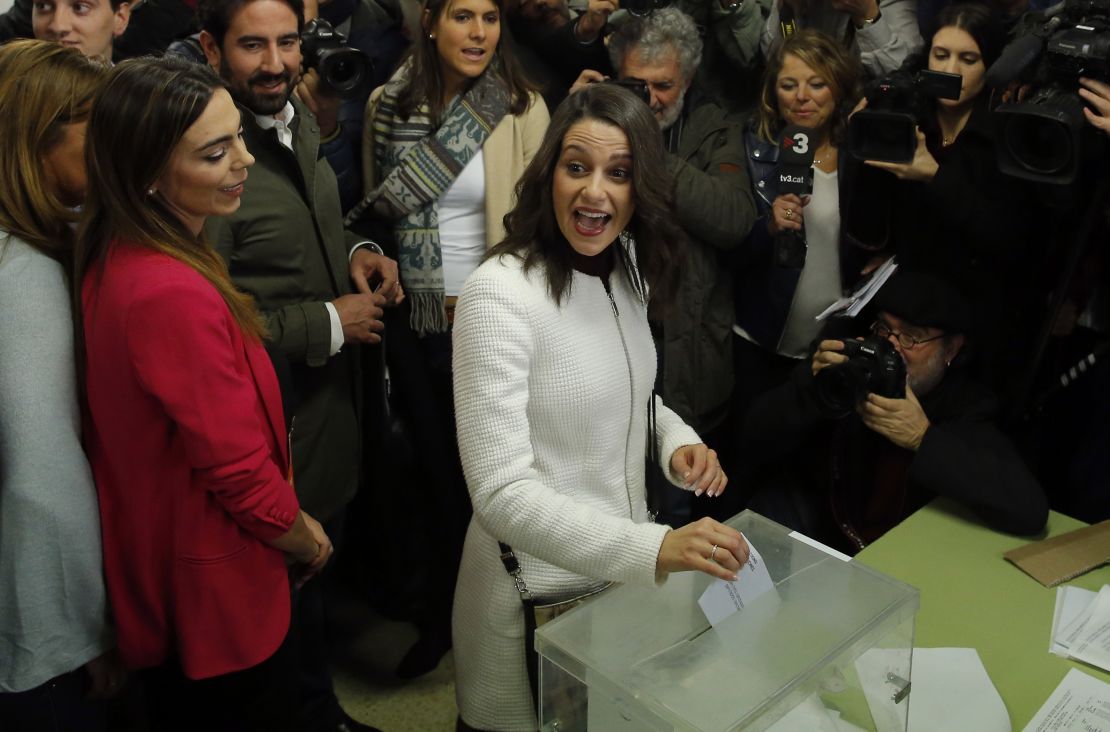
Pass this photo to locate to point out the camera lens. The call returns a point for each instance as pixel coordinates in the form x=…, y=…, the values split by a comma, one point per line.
x=839, y=388
x=1042, y=145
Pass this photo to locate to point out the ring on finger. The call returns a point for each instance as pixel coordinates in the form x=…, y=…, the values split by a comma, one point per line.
x=789, y=213
x=713, y=554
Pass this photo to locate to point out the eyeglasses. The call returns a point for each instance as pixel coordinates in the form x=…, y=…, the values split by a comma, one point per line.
x=905, y=340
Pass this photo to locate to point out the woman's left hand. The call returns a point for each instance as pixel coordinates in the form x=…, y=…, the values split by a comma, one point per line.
x=697, y=467
x=923, y=166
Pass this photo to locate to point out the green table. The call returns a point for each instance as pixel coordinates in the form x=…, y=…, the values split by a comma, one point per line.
x=973, y=598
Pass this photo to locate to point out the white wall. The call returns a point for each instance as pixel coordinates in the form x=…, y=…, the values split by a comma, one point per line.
x=5, y=4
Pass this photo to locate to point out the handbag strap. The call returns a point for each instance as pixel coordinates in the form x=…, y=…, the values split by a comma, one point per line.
x=531, y=661
x=512, y=566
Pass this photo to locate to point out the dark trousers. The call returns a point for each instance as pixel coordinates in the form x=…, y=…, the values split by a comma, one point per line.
x=319, y=707
x=262, y=698
x=756, y=371
x=421, y=376
x=59, y=705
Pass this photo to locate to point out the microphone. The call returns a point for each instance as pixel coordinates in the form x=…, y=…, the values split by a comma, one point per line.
x=1014, y=60
x=795, y=175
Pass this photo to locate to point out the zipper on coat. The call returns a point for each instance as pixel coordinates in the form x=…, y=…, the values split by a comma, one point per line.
x=631, y=394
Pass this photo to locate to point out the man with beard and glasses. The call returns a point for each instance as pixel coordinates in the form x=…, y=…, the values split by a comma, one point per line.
x=320, y=290
x=714, y=206
x=847, y=481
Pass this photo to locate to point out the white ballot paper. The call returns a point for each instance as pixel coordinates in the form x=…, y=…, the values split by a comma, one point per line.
x=1092, y=643
x=1081, y=703
x=721, y=599
x=1071, y=602
x=813, y=716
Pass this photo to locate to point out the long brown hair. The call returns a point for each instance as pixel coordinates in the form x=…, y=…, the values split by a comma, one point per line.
x=533, y=233
x=426, y=80
x=44, y=86
x=137, y=120
x=839, y=67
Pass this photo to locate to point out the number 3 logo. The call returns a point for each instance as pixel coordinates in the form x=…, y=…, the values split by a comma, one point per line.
x=801, y=143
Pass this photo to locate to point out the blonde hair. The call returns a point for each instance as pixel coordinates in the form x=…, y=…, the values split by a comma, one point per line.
x=839, y=67
x=43, y=87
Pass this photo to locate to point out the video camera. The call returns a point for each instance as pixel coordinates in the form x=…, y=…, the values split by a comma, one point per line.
x=1041, y=136
x=873, y=367
x=896, y=106
x=344, y=71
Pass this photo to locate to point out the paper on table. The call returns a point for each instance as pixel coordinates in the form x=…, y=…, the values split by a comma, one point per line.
x=1092, y=645
x=721, y=599
x=952, y=691
x=1070, y=604
x=1081, y=703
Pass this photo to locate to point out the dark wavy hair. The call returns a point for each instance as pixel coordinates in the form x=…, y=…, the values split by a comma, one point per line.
x=155, y=101
x=839, y=67
x=533, y=233
x=426, y=81
x=215, y=16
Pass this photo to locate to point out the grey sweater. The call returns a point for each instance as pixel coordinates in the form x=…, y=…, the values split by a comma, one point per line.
x=53, y=612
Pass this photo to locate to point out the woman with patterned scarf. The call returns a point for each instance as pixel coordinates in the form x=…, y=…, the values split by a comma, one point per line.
x=445, y=141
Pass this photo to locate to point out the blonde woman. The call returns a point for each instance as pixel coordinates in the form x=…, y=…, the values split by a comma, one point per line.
x=54, y=637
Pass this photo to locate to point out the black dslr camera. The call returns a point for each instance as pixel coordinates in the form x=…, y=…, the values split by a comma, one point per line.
x=640, y=8
x=873, y=367
x=639, y=87
x=344, y=71
x=896, y=106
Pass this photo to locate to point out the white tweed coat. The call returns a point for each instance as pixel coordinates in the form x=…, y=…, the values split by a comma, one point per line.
x=551, y=403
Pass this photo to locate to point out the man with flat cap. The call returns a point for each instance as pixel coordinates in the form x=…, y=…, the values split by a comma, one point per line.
x=846, y=480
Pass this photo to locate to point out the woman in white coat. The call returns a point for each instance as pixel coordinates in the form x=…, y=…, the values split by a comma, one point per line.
x=553, y=371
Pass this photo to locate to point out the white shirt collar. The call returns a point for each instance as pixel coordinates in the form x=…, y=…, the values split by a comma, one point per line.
x=281, y=121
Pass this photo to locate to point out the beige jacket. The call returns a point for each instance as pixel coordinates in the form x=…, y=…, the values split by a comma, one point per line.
x=506, y=153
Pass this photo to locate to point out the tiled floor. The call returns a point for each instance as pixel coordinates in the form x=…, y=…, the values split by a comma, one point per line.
x=365, y=683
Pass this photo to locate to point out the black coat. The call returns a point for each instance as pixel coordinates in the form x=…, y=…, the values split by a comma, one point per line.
x=978, y=228
x=868, y=485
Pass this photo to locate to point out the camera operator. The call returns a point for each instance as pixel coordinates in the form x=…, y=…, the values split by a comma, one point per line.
x=1097, y=95
x=713, y=202
x=890, y=455
x=883, y=33
x=950, y=210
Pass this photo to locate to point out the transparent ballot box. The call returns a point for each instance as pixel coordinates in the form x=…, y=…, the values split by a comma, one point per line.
x=828, y=649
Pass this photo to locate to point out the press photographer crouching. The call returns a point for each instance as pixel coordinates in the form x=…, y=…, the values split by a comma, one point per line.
x=844, y=464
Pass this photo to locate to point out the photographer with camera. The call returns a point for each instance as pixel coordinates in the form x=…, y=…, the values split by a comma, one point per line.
x=713, y=203
x=863, y=440
x=881, y=33
x=947, y=208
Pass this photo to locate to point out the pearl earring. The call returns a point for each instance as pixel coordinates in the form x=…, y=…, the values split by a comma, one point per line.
x=150, y=191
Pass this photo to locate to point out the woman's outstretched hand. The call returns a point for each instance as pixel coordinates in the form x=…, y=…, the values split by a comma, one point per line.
x=697, y=467
x=703, y=546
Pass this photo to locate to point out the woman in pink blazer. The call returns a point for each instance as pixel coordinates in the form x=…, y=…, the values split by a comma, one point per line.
x=185, y=430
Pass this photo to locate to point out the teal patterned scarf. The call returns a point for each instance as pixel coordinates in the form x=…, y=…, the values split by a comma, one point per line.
x=416, y=164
